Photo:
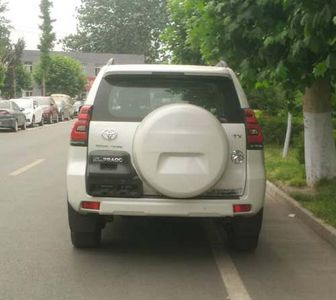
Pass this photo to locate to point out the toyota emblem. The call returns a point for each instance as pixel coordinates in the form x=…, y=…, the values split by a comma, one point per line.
x=109, y=134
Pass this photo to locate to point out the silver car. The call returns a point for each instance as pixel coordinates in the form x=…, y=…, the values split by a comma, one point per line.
x=11, y=116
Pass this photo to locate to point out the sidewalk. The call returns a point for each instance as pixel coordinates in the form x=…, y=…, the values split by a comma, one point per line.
x=319, y=226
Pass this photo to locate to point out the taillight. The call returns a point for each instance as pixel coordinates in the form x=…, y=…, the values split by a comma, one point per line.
x=80, y=130
x=254, y=134
x=85, y=112
x=4, y=112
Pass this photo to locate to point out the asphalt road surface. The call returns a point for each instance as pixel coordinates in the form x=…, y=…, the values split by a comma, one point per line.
x=139, y=258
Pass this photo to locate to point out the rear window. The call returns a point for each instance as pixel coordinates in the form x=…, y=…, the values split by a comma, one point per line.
x=43, y=101
x=4, y=105
x=24, y=103
x=130, y=98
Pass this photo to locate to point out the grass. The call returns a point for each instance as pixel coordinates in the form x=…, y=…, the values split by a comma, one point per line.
x=322, y=203
x=286, y=171
x=321, y=200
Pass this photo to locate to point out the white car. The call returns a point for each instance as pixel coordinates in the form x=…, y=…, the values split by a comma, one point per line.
x=166, y=140
x=32, y=111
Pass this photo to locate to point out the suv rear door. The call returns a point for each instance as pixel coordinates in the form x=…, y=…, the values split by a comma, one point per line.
x=122, y=101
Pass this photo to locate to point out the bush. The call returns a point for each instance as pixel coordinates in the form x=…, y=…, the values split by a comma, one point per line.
x=274, y=129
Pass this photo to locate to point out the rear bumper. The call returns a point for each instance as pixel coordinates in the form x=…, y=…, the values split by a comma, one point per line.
x=29, y=121
x=254, y=194
x=46, y=116
x=7, y=122
x=166, y=207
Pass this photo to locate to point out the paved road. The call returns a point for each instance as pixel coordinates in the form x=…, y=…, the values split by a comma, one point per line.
x=140, y=258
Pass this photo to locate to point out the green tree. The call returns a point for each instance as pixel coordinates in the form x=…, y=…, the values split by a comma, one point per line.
x=13, y=77
x=287, y=43
x=4, y=24
x=119, y=26
x=23, y=81
x=16, y=77
x=65, y=76
x=46, y=41
x=4, y=40
x=177, y=46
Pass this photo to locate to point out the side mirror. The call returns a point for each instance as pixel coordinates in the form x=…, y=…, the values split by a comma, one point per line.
x=22, y=109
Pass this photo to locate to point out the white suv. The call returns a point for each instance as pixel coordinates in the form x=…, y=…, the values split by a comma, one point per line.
x=166, y=140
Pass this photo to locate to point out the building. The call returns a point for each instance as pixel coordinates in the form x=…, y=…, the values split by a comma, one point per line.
x=91, y=62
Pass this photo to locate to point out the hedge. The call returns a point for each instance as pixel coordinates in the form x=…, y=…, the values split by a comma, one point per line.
x=274, y=129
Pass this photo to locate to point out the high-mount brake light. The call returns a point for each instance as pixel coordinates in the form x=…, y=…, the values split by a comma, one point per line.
x=254, y=134
x=80, y=130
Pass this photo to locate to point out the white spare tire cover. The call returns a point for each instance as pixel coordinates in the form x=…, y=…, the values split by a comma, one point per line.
x=181, y=150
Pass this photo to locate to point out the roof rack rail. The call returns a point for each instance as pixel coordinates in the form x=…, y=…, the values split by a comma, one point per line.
x=110, y=61
x=222, y=64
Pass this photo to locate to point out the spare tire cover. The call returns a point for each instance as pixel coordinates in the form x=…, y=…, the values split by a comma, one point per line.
x=181, y=150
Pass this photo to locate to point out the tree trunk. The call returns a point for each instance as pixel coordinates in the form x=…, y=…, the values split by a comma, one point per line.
x=14, y=82
x=43, y=91
x=320, y=152
x=288, y=135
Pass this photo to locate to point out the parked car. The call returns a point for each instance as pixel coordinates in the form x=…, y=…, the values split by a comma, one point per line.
x=11, y=116
x=65, y=107
x=77, y=106
x=166, y=140
x=50, y=110
x=32, y=111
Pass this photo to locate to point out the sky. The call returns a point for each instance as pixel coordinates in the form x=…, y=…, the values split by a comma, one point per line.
x=24, y=18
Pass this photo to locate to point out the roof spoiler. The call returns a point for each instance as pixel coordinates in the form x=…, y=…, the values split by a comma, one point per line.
x=222, y=64
x=110, y=62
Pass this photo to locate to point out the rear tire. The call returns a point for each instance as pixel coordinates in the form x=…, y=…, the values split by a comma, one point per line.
x=243, y=233
x=84, y=240
x=16, y=127
x=33, y=122
x=85, y=229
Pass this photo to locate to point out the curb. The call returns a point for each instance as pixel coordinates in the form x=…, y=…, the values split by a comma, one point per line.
x=326, y=231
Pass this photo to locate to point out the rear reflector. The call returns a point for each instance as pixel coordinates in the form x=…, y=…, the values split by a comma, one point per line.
x=238, y=208
x=90, y=205
x=80, y=130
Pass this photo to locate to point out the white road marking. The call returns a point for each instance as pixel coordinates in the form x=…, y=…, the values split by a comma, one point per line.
x=227, y=269
x=27, y=167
